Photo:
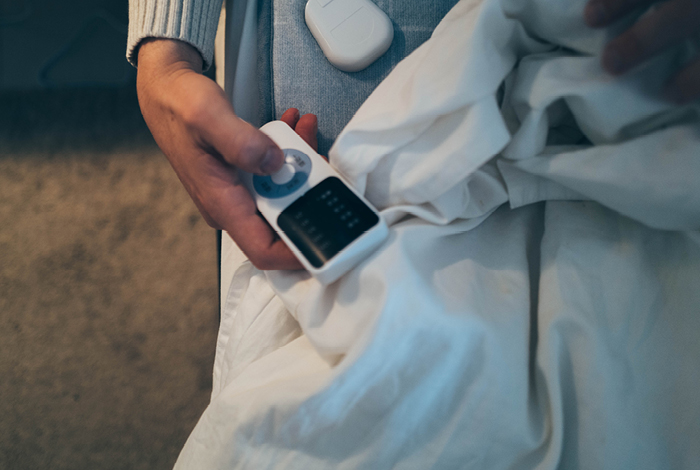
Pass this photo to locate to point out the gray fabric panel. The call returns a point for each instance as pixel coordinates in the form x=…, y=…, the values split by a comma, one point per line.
x=295, y=73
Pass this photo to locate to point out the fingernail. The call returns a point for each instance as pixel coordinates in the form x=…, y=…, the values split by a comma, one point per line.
x=272, y=161
x=595, y=13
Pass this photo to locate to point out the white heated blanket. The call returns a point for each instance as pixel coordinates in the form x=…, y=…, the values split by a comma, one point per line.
x=537, y=304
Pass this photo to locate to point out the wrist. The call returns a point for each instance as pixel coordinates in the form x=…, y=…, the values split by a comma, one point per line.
x=168, y=55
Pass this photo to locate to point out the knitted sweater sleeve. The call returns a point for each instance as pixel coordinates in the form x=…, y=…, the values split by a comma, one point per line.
x=191, y=21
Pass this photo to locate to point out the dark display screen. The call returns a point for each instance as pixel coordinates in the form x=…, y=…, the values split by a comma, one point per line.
x=325, y=220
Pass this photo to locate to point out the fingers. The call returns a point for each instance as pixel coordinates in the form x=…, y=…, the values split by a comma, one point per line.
x=252, y=233
x=290, y=117
x=307, y=127
x=685, y=86
x=246, y=147
x=266, y=250
x=599, y=13
x=242, y=145
x=670, y=24
x=262, y=246
x=224, y=200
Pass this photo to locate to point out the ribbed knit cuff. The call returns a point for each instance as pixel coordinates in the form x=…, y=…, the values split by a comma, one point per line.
x=191, y=21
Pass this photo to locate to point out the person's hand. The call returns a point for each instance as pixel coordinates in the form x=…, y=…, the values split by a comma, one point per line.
x=195, y=126
x=673, y=22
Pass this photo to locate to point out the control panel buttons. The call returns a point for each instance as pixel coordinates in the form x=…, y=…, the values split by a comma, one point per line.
x=284, y=174
x=325, y=220
x=292, y=176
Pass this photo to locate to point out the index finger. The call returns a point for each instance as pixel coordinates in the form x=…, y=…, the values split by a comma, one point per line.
x=671, y=23
x=238, y=215
x=265, y=249
x=599, y=13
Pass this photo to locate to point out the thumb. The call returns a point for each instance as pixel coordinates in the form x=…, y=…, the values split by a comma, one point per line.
x=242, y=145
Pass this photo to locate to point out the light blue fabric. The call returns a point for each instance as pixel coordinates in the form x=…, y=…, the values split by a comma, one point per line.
x=295, y=73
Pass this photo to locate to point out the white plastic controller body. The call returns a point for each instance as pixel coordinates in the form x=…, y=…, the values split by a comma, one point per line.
x=352, y=33
x=328, y=226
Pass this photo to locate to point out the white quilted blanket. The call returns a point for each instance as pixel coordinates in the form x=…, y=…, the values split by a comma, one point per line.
x=537, y=304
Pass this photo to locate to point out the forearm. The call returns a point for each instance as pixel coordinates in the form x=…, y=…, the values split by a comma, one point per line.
x=190, y=21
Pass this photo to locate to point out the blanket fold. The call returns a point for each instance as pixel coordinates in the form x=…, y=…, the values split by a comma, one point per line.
x=535, y=305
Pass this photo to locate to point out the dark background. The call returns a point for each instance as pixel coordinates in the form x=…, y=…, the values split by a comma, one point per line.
x=108, y=290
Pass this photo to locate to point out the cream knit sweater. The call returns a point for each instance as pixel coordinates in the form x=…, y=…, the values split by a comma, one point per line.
x=192, y=21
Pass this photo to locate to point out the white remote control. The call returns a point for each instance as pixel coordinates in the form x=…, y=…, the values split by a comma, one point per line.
x=323, y=220
x=352, y=33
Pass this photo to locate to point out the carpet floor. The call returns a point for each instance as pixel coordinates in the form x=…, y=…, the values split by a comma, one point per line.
x=108, y=288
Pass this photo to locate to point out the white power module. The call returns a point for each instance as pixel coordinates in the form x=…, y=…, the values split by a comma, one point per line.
x=352, y=33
